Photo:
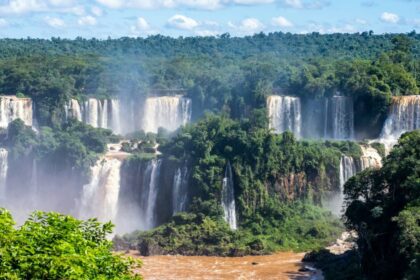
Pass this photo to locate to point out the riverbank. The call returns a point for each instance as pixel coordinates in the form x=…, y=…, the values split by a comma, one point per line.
x=278, y=266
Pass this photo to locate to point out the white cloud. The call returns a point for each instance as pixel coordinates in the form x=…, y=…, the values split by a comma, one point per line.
x=142, y=27
x=390, y=17
x=301, y=4
x=30, y=6
x=87, y=20
x=182, y=22
x=96, y=11
x=281, y=22
x=196, y=4
x=54, y=22
x=3, y=22
x=247, y=26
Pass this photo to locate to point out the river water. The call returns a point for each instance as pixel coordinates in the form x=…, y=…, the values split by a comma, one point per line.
x=278, y=266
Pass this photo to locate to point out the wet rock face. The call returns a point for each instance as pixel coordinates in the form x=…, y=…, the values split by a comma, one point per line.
x=149, y=247
x=291, y=186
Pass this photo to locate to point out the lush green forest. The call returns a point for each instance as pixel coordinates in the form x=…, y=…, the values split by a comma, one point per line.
x=229, y=74
x=280, y=181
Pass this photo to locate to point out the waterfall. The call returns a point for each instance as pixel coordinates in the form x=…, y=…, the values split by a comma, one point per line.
x=228, y=198
x=3, y=173
x=347, y=170
x=115, y=116
x=169, y=112
x=97, y=113
x=103, y=114
x=284, y=113
x=370, y=158
x=339, y=118
x=152, y=193
x=73, y=110
x=180, y=190
x=12, y=107
x=91, y=112
x=100, y=196
x=404, y=115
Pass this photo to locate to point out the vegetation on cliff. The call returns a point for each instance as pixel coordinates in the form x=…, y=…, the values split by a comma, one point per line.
x=290, y=226
x=383, y=207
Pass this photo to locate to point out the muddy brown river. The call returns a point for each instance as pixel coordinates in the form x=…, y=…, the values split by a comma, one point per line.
x=278, y=266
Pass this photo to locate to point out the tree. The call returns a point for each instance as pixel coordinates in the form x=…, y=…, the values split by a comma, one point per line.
x=383, y=207
x=54, y=246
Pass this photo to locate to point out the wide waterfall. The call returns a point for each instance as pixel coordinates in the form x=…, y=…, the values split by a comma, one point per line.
x=370, y=158
x=169, y=112
x=12, y=107
x=339, y=118
x=100, y=196
x=180, y=190
x=284, y=113
x=3, y=173
x=95, y=112
x=228, y=198
x=404, y=115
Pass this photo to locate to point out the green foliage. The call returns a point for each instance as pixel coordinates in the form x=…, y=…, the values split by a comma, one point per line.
x=74, y=145
x=383, y=207
x=295, y=226
x=54, y=246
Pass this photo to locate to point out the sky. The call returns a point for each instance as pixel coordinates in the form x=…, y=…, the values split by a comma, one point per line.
x=141, y=18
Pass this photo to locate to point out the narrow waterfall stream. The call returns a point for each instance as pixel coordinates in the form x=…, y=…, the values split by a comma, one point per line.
x=153, y=189
x=180, y=190
x=228, y=198
x=12, y=107
x=4, y=165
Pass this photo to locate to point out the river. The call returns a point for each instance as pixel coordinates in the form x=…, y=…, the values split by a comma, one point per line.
x=278, y=266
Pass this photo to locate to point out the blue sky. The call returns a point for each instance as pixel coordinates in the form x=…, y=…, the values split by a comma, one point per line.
x=117, y=18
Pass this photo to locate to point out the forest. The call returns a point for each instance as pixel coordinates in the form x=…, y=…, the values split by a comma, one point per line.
x=281, y=182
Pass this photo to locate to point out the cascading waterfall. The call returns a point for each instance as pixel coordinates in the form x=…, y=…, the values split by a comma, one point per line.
x=12, y=107
x=169, y=112
x=228, y=198
x=4, y=165
x=97, y=113
x=284, y=113
x=339, y=118
x=370, y=158
x=404, y=115
x=180, y=190
x=100, y=196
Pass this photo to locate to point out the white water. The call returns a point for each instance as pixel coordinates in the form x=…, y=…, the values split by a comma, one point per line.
x=97, y=113
x=404, y=115
x=339, y=118
x=12, y=108
x=180, y=190
x=3, y=173
x=100, y=196
x=347, y=170
x=370, y=158
x=115, y=116
x=284, y=113
x=169, y=112
x=228, y=198
x=153, y=188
